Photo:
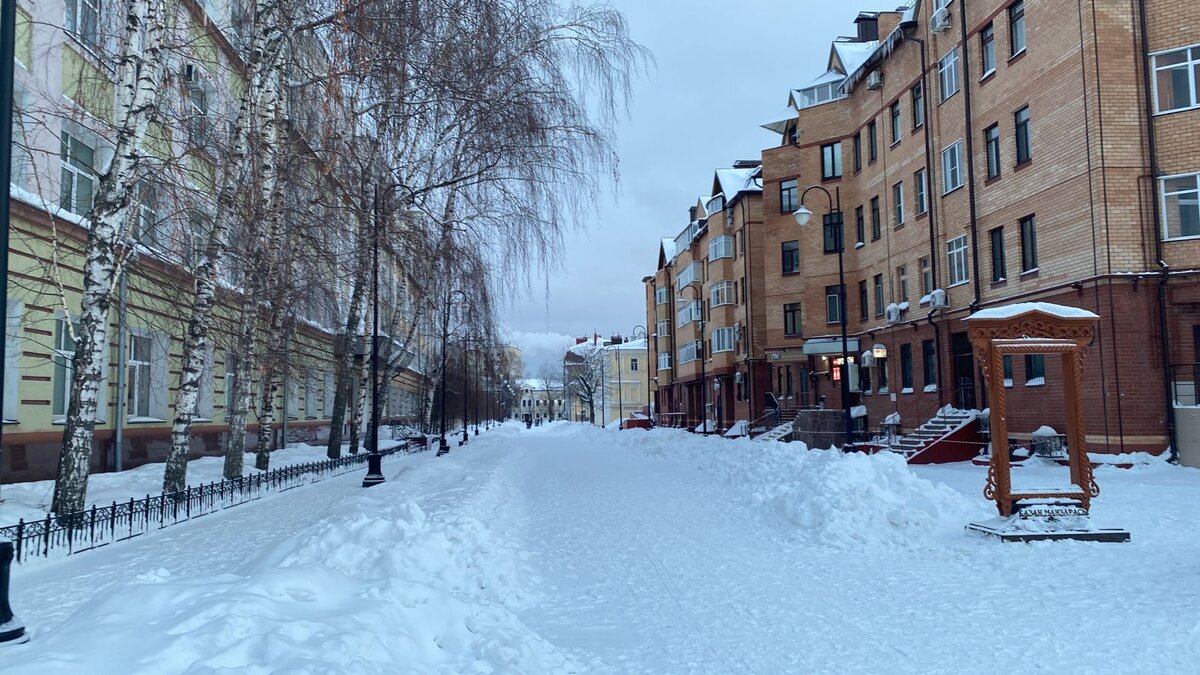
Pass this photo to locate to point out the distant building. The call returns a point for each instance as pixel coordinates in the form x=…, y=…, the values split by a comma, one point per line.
x=607, y=378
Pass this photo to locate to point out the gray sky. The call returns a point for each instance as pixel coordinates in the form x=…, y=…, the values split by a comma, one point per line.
x=722, y=69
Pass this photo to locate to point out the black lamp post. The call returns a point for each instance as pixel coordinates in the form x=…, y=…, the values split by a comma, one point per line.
x=374, y=459
x=443, y=446
x=639, y=333
x=698, y=289
x=834, y=238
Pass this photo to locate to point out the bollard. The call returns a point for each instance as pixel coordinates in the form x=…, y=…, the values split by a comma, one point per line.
x=12, y=631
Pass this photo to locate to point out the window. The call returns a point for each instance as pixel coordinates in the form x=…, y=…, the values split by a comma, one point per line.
x=199, y=229
x=991, y=140
x=722, y=293
x=902, y=283
x=720, y=247
x=878, y=295
x=926, y=276
x=790, y=252
x=741, y=241
x=788, y=192
x=999, y=273
x=857, y=152
x=689, y=312
x=1180, y=206
x=715, y=206
x=661, y=296
x=948, y=74
x=918, y=106
x=1007, y=365
x=310, y=395
x=833, y=304
x=63, y=357
x=875, y=225
x=687, y=275
x=952, y=168
x=1016, y=27
x=1029, y=255
x=906, y=375
x=859, y=224
x=791, y=319
x=832, y=234
x=12, y=359
x=78, y=175
x=140, y=348
x=831, y=161
x=894, y=114
x=664, y=360
x=690, y=352
x=150, y=223
x=633, y=364
x=722, y=340
x=1021, y=128
x=872, y=142
x=956, y=254
x=1176, y=79
x=197, y=129
x=929, y=363
x=987, y=49
x=83, y=21
x=327, y=397
x=881, y=369
x=821, y=93
x=1035, y=370
x=898, y=202
x=864, y=311
x=919, y=179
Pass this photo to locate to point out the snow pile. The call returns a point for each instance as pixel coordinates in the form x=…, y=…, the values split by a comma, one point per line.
x=380, y=587
x=834, y=498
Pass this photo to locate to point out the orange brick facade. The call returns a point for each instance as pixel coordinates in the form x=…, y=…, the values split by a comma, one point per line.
x=1086, y=199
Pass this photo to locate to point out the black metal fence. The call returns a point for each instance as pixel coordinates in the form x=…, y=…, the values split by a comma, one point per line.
x=103, y=525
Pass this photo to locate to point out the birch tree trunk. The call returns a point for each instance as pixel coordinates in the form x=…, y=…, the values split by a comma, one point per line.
x=345, y=363
x=257, y=101
x=360, y=401
x=140, y=69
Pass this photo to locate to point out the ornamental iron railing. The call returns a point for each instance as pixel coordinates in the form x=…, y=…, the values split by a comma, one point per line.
x=102, y=525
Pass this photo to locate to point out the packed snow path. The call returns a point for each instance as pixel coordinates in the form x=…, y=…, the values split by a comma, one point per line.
x=567, y=548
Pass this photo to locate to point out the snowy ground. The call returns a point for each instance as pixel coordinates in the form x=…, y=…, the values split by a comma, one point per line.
x=567, y=548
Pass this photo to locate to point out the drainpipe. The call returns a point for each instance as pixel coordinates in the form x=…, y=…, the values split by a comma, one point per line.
x=749, y=314
x=970, y=134
x=1151, y=147
x=122, y=338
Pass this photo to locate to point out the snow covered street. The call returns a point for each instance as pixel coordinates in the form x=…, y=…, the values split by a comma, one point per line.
x=567, y=548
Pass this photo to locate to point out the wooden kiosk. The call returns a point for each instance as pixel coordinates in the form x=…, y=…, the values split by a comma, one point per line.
x=1043, y=513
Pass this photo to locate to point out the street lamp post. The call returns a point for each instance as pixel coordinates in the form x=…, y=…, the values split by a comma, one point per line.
x=443, y=446
x=374, y=459
x=834, y=238
x=639, y=333
x=698, y=289
x=620, y=388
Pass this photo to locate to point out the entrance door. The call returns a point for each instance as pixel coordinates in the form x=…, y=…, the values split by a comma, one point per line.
x=964, y=371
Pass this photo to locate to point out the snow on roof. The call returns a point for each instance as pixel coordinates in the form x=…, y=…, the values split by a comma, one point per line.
x=828, y=76
x=668, y=245
x=735, y=181
x=882, y=48
x=779, y=121
x=1019, y=308
x=853, y=55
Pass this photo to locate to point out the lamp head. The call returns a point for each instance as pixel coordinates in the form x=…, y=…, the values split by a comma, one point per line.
x=802, y=215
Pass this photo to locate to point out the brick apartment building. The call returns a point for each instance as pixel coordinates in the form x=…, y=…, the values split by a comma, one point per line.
x=983, y=153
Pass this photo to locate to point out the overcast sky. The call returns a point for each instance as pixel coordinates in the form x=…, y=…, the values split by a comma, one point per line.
x=723, y=67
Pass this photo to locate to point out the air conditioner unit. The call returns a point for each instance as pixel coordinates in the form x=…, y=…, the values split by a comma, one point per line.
x=874, y=80
x=893, y=313
x=737, y=331
x=937, y=299
x=940, y=20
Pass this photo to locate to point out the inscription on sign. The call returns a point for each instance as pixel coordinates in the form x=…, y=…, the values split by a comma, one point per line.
x=1053, y=512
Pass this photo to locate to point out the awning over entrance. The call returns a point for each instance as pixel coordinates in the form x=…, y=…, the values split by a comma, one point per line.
x=830, y=346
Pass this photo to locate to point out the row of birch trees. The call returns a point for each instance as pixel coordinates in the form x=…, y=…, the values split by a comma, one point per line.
x=454, y=139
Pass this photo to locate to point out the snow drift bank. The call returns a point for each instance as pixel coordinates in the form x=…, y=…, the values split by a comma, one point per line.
x=834, y=498
x=382, y=586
